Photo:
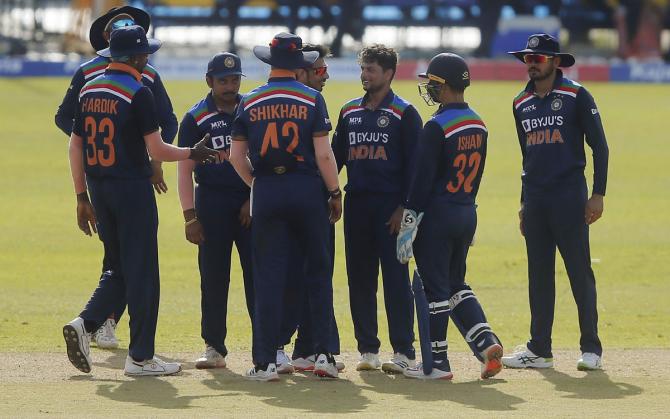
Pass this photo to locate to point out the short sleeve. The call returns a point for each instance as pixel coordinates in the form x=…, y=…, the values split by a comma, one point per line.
x=189, y=134
x=240, y=129
x=144, y=110
x=321, y=120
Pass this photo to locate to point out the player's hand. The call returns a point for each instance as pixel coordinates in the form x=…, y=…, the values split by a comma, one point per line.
x=203, y=154
x=194, y=232
x=157, y=177
x=395, y=220
x=408, y=229
x=86, y=216
x=523, y=233
x=594, y=208
x=335, y=208
x=245, y=214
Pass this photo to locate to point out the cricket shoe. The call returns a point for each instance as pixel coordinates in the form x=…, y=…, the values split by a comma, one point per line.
x=211, y=358
x=524, y=358
x=259, y=374
x=151, y=367
x=105, y=336
x=78, y=344
x=441, y=371
x=492, y=363
x=398, y=364
x=325, y=366
x=590, y=362
x=368, y=362
x=284, y=363
x=307, y=364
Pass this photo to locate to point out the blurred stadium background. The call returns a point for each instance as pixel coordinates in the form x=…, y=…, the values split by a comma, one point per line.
x=614, y=40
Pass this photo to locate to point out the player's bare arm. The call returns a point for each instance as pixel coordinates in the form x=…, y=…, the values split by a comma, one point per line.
x=325, y=160
x=240, y=161
x=85, y=212
x=159, y=150
x=192, y=228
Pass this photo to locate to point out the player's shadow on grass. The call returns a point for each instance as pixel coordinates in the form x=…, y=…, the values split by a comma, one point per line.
x=594, y=385
x=473, y=394
x=303, y=392
x=113, y=358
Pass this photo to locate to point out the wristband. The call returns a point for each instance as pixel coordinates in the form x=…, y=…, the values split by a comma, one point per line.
x=335, y=193
x=189, y=222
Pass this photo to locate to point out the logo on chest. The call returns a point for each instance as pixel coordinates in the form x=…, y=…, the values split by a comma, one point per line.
x=218, y=124
x=356, y=120
x=529, y=109
x=556, y=104
x=383, y=121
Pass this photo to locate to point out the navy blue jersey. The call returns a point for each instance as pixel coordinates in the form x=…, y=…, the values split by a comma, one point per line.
x=451, y=157
x=114, y=113
x=95, y=67
x=551, y=134
x=282, y=115
x=377, y=146
x=203, y=118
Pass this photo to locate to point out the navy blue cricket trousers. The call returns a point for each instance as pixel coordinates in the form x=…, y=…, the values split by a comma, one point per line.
x=218, y=211
x=296, y=313
x=289, y=209
x=367, y=244
x=128, y=225
x=550, y=220
x=441, y=248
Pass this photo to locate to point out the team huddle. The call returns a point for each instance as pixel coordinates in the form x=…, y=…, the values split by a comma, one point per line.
x=266, y=170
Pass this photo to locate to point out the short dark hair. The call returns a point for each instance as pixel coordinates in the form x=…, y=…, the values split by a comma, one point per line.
x=323, y=50
x=386, y=57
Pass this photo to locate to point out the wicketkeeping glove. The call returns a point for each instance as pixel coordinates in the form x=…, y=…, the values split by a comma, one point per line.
x=408, y=229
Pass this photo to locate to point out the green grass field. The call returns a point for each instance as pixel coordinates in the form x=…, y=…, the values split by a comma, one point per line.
x=48, y=268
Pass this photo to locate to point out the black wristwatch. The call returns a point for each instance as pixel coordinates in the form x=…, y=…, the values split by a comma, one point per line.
x=336, y=193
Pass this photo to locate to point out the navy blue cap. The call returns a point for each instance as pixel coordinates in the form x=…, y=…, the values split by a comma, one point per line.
x=285, y=51
x=224, y=64
x=448, y=68
x=545, y=44
x=129, y=40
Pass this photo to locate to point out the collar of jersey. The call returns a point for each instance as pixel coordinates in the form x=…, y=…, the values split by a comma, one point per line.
x=211, y=106
x=530, y=87
x=126, y=69
x=460, y=105
x=384, y=103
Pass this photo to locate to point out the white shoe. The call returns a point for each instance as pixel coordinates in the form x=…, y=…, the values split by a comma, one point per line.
x=270, y=374
x=324, y=367
x=105, y=336
x=368, y=362
x=150, y=367
x=304, y=364
x=492, y=364
x=398, y=364
x=211, y=358
x=78, y=344
x=284, y=363
x=524, y=358
x=590, y=362
x=436, y=374
x=307, y=364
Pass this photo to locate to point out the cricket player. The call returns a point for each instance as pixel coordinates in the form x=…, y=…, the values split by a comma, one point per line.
x=441, y=214
x=99, y=34
x=283, y=125
x=296, y=310
x=554, y=115
x=375, y=139
x=115, y=125
x=217, y=214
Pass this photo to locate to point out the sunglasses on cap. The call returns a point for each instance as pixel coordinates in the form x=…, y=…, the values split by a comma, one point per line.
x=536, y=58
x=122, y=23
x=320, y=71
